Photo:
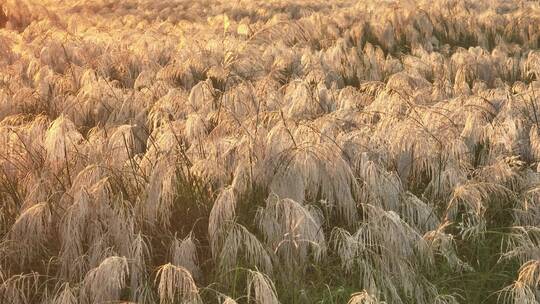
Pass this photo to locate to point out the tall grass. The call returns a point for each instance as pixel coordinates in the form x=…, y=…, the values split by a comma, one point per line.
x=269, y=152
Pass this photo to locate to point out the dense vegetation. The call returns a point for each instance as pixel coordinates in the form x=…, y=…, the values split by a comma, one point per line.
x=267, y=152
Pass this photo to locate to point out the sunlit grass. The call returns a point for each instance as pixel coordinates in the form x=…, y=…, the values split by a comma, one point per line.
x=269, y=152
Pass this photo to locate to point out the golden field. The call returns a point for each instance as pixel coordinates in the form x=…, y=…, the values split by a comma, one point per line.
x=269, y=152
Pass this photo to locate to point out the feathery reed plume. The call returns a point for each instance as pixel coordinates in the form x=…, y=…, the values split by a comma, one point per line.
x=228, y=300
x=31, y=230
x=386, y=232
x=529, y=274
x=292, y=230
x=160, y=193
x=65, y=295
x=223, y=212
x=19, y=289
x=123, y=144
x=443, y=244
x=239, y=244
x=176, y=285
x=518, y=293
x=184, y=253
x=263, y=288
x=61, y=142
x=363, y=298
x=105, y=282
x=139, y=260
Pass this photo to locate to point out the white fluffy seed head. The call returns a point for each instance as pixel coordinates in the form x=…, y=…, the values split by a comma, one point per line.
x=176, y=284
x=292, y=231
x=222, y=213
x=61, y=141
x=105, y=282
x=184, y=253
x=32, y=229
x=261, y=288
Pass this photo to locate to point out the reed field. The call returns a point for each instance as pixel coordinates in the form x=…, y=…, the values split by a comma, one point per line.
x=269, y=151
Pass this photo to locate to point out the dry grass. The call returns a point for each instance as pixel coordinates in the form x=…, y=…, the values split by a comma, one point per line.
x=269, y=152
